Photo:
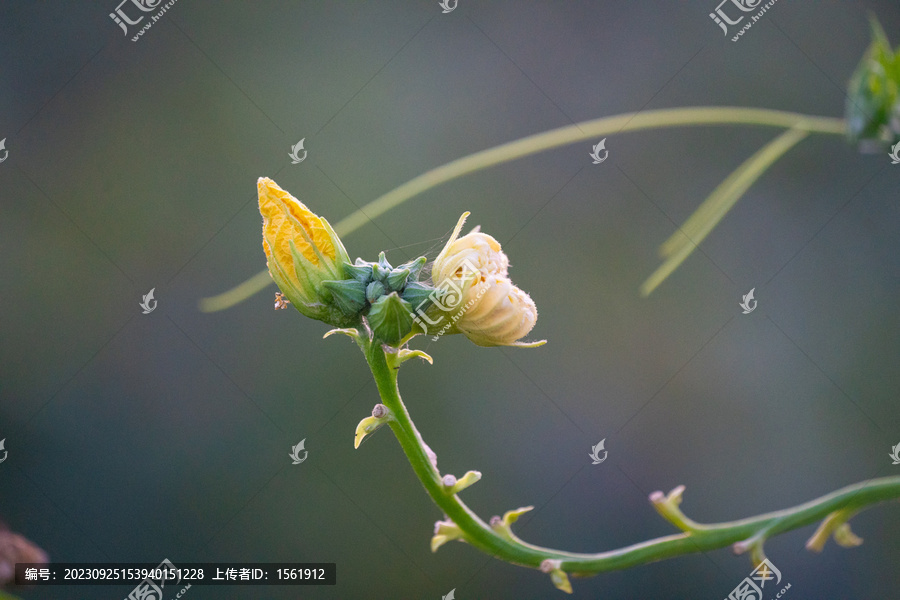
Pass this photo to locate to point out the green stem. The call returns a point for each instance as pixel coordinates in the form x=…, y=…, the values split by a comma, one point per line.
x=478, y=533
x=586, y=130
x=698, y=537
x=701, y=223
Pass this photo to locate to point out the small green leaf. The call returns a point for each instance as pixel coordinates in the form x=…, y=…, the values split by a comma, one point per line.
x=873, y=94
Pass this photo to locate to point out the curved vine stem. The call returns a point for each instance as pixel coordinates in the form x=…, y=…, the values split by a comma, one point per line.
x=495, y=537
x=701, y=223
x=586, y=130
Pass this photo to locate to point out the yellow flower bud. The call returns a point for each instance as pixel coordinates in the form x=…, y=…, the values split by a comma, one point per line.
x=489, y=309
x=302, y=251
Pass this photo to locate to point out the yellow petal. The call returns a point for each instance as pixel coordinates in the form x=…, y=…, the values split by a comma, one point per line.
x=285, y=218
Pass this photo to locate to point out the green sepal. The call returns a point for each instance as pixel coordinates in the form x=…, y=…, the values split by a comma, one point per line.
x=379, y=273
x=361, y=271
x=304, y=289
x=349, y=295
x=396, y=281
x=391, y=318
x=415, y=293
x=374, y=291
x=428, y=317
x=415, y=267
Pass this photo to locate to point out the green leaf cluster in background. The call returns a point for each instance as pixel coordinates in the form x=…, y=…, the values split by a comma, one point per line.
x=873, y=99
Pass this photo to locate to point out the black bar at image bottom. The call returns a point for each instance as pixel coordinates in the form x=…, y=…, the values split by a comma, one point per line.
x=168, y=574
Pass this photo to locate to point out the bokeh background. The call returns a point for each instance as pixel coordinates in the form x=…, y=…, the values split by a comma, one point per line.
x=132, y=165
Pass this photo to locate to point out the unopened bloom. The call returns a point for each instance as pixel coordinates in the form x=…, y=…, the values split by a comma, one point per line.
x=489, y=309
x=302, y=251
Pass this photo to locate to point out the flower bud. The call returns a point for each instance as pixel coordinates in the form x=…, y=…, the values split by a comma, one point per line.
x=302, y=251
x=486, y=306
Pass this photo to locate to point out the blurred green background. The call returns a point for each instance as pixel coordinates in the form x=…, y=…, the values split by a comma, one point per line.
x=132, y=165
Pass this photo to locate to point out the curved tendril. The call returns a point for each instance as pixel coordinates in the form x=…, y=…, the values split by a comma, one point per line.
x=654, y=119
